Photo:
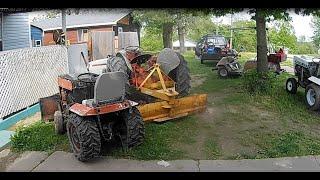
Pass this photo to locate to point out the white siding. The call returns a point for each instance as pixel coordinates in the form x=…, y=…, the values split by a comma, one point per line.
x=16, y=31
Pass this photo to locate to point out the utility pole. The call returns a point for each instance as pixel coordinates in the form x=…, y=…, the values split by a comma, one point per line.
x=64, y=25
x=231, y=33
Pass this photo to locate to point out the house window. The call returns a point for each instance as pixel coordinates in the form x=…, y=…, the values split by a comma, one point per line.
x=37, y=43
x=82, y=35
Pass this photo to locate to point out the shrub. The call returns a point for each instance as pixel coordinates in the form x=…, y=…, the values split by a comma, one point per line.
x=255, y=82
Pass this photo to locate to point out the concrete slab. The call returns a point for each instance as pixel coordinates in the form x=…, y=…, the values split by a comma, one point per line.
x=306, y=163
x=4, y=153
x=28, y=161
x=62, y=161
x=5, y=137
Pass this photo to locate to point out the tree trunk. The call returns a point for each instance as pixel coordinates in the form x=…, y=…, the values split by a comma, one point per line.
x=167, y=35
x=262, y=50
x=181, y=32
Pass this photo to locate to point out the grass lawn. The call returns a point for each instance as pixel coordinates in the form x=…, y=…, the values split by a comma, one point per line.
x=236, y=125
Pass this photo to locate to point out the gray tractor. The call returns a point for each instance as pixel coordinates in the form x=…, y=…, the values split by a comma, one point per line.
x=307, y=71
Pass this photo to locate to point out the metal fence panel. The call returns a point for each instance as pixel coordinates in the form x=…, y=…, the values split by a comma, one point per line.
x=29, y=74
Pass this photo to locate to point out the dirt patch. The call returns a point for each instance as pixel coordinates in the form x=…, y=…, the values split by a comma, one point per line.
x=197, y=80
x=26, y=122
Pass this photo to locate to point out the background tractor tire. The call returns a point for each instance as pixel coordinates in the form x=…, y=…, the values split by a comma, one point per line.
x=223, y=72
x=117, y=64
x=312, y=97
x=132, y=128
x=181, y=75
x=59, y=125
x=292, y=86
x=84, y=137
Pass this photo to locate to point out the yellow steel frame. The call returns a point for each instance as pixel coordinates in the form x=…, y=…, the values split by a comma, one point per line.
x=171, y=107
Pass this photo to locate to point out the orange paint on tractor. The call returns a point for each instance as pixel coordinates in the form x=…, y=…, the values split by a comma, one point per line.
x=65, y=84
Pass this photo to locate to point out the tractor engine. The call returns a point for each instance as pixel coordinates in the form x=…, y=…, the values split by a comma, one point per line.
x=305, y=68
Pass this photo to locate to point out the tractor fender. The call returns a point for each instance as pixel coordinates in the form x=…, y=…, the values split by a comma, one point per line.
x=122, y=54
x=168, y=60
x=314, y=80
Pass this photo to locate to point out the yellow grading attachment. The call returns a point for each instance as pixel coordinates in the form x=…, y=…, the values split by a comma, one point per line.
x=170, y=107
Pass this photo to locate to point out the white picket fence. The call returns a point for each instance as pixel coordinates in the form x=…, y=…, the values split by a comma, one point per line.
x=29, y=74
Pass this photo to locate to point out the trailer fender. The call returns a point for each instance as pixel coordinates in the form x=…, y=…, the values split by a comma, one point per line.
x=314, y=80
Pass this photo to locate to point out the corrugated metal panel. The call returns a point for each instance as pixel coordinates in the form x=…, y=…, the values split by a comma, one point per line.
x=16, y=31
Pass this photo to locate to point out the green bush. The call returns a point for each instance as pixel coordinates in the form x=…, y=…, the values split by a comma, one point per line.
x=39, y=136
x=255, y=82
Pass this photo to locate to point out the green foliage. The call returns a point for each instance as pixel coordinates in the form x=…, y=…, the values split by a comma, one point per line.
x=283, y=36
x=245, y=38
x=255, y=82
x=39, y=136
x=151, y=39
x=305, y=48
x=316, y=32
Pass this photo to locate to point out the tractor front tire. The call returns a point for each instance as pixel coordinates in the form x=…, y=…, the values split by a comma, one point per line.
x=132, y=131
x=223, y=72
x=292, y=86
x=312, y=96
x=59, y=125
x=181, y=76
x=84, y=137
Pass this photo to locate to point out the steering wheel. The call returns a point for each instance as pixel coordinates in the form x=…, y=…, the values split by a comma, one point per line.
x=91, y=77
x=133, y=48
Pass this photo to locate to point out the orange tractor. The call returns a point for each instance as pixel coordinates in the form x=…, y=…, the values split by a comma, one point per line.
x=132, y=89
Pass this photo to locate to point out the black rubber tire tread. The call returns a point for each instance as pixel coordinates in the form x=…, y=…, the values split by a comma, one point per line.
x=316, y=88
x=58, y=123
x=221, y=68
x=135, y=131
x=89, y=137
x=294, y=86
x=181, y=76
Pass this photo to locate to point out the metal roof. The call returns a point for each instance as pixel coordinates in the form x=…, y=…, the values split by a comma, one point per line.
x=84, y=19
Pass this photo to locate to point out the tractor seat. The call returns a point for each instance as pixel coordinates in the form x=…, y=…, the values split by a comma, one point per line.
x=109, y=88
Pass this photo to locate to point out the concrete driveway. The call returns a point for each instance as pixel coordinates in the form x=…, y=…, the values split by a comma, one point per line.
x=63, y=161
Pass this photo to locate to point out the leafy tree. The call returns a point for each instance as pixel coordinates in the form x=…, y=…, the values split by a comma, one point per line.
x=316, y=32
x=283, y=36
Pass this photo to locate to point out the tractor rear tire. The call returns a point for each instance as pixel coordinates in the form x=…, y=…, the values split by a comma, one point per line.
x=181, y=76
x=292, y=86
x=312, y=96
x=132, y=131
x=117, y=64
x=84, y=137
x=59, y=125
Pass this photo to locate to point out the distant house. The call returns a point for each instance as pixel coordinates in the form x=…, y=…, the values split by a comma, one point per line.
x=14, y=31
x=36, y=36
x=189, y=45
x=79, y=26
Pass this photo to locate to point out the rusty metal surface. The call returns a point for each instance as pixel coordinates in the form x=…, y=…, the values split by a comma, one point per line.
x=48, y=106
x=65, y=84
x=84, y=110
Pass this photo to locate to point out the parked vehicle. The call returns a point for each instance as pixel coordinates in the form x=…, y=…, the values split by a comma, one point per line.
x=214, y=48
x=307, y=74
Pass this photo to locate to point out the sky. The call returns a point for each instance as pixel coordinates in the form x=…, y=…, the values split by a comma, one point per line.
x=301, y=24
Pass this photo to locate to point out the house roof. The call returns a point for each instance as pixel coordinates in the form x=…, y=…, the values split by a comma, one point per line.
x=93, y=18
x=187, y=43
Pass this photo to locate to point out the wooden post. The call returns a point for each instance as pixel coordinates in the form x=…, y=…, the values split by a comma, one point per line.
x=64, y=26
